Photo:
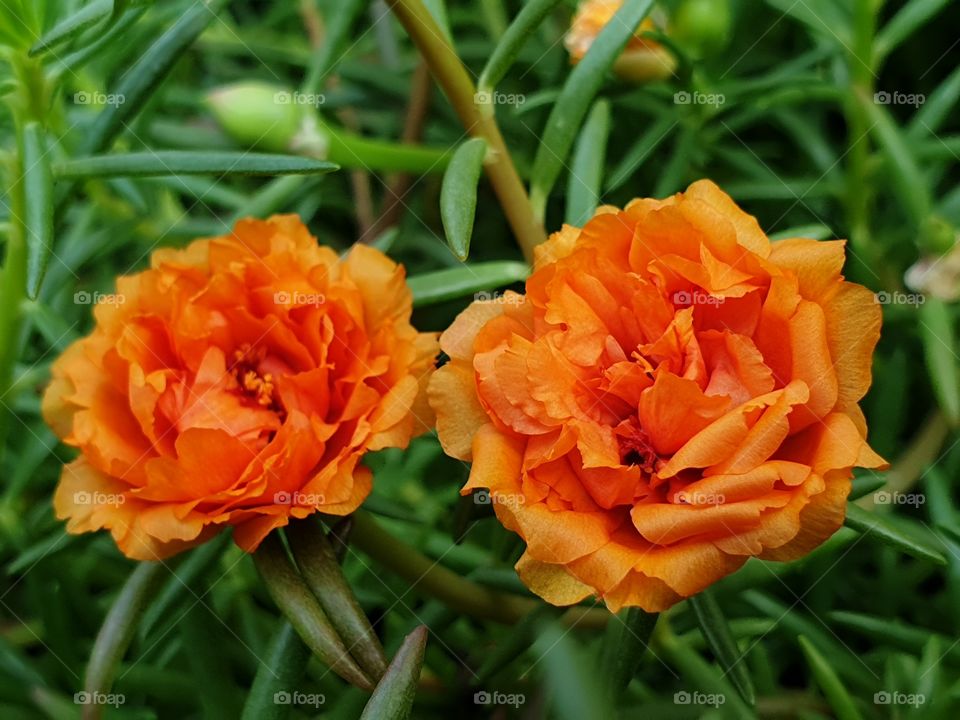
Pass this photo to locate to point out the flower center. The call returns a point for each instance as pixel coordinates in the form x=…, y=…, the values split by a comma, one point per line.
x=636, y=449
x=258, y=386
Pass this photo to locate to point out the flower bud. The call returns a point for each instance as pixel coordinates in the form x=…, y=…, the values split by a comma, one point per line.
x=257, y=114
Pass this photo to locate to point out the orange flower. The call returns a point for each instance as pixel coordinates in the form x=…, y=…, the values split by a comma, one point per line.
x=238, y=381
x=673, y=395
x=642, y=59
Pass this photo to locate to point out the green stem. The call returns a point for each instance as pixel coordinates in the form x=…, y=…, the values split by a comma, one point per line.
x=452, y=76
x=13, y=275
x=430, y=577
x=860, y=66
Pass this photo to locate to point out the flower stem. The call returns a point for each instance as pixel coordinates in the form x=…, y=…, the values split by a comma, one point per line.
x=459, y=593
x=860, y=67
x=479, y=121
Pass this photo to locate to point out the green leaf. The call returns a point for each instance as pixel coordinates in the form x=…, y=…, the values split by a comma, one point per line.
x=277, y=675
x=520, y=637
x=940, y=351
x=816, y=231
x=586, y=173
x=38, y=195
x=296, y=601
x=724, y=647
x=393, y=697
x=639, y=151
x=937, y=107
x=865, y=485
x=892, y=632
x=442, y=285
x=899, y=534
x=73, y=25
x=513, y=41
x=625, y=641
x=318, y=564
x=119, y=626
x=181, y=162
x=331, y=50
x=208, y=664
x=146, y=74
x=575, y=688
x=458, y=195
x=907, y=21
x=912, y=186
x=827, y=679
x=576, y=97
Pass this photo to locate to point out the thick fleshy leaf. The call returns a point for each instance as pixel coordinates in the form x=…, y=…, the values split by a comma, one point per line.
x=178, y=162
x=578, y=92
x=301, y=608
x=586, y=171
x=720, y=639
x=458, y=195
x=940, y=350
x=320, y=568
x=901, y=534
x=442, y=285
x=38, y=198
x=277, y=676
x=626, y=640
x=393, y=697
x=72, y=25
x=837, y=695
x=513, y=40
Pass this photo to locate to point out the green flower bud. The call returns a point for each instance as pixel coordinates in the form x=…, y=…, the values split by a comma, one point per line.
x=701, y=27
x=259, y=115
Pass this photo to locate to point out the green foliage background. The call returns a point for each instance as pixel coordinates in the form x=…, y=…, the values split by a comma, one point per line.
x=797, y=140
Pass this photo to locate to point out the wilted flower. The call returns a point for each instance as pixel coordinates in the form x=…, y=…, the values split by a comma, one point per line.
x=676, y=394
x=240, y=382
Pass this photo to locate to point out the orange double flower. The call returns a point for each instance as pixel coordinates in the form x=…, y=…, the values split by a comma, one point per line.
x=673, y=395
x=238, y=381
